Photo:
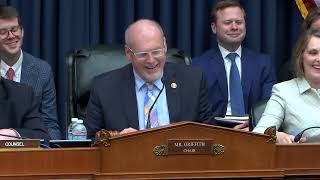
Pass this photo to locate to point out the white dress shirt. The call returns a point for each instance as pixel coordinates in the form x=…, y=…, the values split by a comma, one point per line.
x=16, y=67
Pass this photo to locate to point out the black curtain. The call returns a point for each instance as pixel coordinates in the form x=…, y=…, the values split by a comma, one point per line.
x=55, y=27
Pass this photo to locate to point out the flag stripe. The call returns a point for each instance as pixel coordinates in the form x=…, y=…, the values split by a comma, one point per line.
x=309, y=4
x=302, y=8
x=317, y=2
x=305, y=6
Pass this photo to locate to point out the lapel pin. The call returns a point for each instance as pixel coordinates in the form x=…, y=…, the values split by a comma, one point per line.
x=174, y=85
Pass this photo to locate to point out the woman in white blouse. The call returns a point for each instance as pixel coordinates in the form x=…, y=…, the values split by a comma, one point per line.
x=295, y=104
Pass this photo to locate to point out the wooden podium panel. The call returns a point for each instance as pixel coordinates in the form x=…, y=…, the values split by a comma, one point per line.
x=246, y=154
x=45, y=163
x=299, y=159
x=131, y=156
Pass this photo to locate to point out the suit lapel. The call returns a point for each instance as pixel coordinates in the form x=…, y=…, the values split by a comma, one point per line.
x=129, y=98
x=246, y=76
x=4, y=106
x=28, y=72
x=220, y=71
x=173, y=95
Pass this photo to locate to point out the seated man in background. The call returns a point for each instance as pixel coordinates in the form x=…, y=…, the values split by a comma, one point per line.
x=19, y=115
x=237, y=77
x=19, y=66
x=120, y=100
x=295, y=104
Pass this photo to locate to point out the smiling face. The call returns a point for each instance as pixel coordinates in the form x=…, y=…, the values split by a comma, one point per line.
x=11, y=37
x=146, y=50
x=311, y=62
x=230, y=27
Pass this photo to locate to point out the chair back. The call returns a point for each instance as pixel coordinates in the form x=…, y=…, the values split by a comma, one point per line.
x=285, y=72
x=86, y=63
x=256, y=113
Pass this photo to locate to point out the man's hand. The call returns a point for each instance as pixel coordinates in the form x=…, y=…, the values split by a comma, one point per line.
x=284, y=138
x=8, y=132
x=244, y=126
x=128, y=130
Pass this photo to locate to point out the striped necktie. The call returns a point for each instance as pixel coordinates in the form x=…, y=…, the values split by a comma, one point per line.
x=148, y=101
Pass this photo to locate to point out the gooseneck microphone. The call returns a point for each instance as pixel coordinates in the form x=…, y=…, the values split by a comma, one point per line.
x=154, y=102
x=299, y=135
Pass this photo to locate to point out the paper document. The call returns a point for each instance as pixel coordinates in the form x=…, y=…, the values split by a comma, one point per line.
x=233, y=119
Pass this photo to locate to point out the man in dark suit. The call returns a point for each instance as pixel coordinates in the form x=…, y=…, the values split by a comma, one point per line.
x=22, y=67
x=19, y=115
x=120, y=99
x=255, y=70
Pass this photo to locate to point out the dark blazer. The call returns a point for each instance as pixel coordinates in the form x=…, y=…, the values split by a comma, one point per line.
x=258, y=77
x=19, y=110
x=113, y=103
x=38, y=74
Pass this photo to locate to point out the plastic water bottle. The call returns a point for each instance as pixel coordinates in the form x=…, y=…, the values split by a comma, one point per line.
x=79, y=131
x=70, y=127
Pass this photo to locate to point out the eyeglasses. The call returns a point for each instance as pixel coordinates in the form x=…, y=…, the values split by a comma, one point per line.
x=143, y=55
x=15, y=30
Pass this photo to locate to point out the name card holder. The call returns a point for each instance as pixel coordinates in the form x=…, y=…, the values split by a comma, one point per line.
x=20, y=143
x=189, y=147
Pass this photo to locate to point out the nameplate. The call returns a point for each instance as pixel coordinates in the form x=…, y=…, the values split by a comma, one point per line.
x=20, y=143
x=189, y=146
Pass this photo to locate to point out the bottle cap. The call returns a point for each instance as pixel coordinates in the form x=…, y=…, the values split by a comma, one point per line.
x=74, y=119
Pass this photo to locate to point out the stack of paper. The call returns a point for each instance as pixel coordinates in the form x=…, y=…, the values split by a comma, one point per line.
x=233, y=119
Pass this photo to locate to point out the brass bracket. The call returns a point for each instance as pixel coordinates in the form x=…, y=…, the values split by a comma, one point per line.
x=272, y=132
x=217, y=149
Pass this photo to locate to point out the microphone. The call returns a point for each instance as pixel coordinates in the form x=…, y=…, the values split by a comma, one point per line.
x=299, y=135
x=154, y=102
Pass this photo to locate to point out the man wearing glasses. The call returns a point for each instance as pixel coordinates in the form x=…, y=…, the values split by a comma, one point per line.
x=121, y=100
x=19, y=66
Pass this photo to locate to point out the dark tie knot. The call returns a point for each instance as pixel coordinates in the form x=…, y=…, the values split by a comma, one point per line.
x=232, y=56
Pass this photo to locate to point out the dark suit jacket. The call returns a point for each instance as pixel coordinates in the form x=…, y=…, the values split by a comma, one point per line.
x=37, y=74
x=258, y=77
x=19, y=110
x=113, y=104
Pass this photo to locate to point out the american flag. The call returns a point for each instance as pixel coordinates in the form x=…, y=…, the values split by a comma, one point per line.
x=305, y=6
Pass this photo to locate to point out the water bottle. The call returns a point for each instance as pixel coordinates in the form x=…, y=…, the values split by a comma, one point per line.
x=79, y=131
x=70, y=127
